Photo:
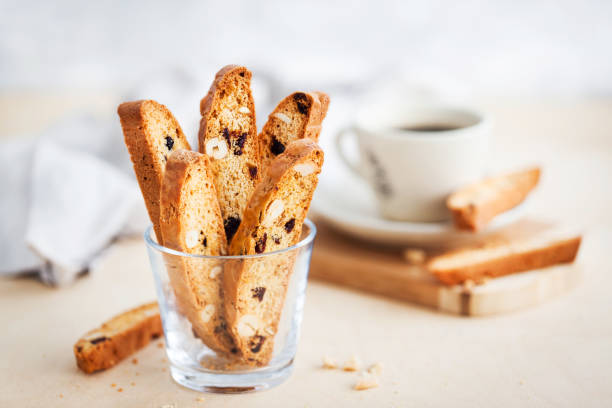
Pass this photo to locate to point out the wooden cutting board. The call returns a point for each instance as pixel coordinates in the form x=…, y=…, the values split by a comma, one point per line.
x=347, y=262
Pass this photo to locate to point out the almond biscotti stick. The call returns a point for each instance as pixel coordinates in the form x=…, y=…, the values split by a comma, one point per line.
x=297, y=116
x=255, y=289
x=503, y=259
x=476, y=205
x=228, y=136
x=191, y=222
x=118, y=338
x=151, y=134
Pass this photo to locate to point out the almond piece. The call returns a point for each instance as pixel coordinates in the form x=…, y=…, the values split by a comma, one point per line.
x=192, y=238
x=207, y=313
x=214, y=272
x=305, y=168
x=283, y=117
x=216, y=148
x=275, y=209
x=248, y=325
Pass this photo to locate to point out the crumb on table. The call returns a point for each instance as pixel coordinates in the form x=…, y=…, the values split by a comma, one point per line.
x=375, y=368
x=415, y=256
x=352, y=364
x=329, y=363
x=366, y=382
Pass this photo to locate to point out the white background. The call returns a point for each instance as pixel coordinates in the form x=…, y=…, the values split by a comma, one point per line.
x=494, y=47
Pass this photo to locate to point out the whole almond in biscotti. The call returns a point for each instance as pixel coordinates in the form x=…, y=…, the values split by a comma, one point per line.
x=151, y=134
x=228, y=136
x=191, y=222
x=474, y=206
x=255, y=289
x=298, y=116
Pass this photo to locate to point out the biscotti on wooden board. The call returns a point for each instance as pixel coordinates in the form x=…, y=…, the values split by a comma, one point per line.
x=151, y=133
x=118, y=338
x=191, y=223
x=501, y=259
x=228, y=136
x=255, y=289
x=474, y=206
x=297, y=116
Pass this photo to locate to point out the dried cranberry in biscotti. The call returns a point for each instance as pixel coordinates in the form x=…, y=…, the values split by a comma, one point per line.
x=169, y=142
x=276, y=147
x=259, y=292
x=260, y=245
x=289, y=225
x=231, y=225
x=253, y=172
x=302, y=103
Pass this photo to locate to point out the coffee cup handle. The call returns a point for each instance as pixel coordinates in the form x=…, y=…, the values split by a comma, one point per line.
x=340, y=137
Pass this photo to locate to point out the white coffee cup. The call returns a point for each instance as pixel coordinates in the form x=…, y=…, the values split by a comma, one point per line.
x=412, y=170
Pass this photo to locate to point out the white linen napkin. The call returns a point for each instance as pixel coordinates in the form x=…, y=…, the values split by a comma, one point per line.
x=65, y=196
x=79, y=203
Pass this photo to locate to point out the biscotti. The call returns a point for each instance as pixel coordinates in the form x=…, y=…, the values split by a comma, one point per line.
x=297, y=116
x=118, y=338
x=228, y=136
x=255, y=289
x=191, y=222
x=474, y=206
x=151, y=134
x=504, y=258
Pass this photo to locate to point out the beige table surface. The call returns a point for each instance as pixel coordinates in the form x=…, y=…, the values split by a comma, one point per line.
x=556, y=354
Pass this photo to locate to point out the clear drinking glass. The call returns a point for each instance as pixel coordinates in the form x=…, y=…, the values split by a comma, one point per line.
x=195, y=365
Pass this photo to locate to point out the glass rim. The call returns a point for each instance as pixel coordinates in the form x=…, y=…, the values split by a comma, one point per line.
x=302, y=243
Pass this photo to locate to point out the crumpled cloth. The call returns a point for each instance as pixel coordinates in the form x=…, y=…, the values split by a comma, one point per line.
x=66, y=196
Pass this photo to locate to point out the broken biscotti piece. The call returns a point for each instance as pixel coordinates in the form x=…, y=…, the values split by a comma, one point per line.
x=228, y=136
x=476, y=205
x=118, y=338
x=503, y=259
x=298, y=116
x=255, y=289
x=151, y=134
x=191, y=222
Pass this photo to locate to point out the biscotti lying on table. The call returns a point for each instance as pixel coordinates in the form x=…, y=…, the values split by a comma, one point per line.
x=117, y=338
x=243, y=193
x=474, y=206
x=478, y=264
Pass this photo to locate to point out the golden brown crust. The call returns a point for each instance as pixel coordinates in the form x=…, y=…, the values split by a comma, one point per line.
x=297, y=116
x=146, y=126
x=502, y=259
x=228, y=135
x=255, y=289
x=118, y=338
x=474, y=206
x=191, y=222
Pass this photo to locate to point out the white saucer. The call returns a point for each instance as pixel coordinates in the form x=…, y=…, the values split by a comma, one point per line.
x=349, y=205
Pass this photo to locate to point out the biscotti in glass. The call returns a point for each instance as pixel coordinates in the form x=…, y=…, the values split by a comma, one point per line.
x=254, y=337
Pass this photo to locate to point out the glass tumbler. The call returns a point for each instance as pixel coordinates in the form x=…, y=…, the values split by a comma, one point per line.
x=197, y=360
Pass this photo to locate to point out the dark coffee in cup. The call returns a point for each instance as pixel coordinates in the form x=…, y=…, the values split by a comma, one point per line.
x=428, y=127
